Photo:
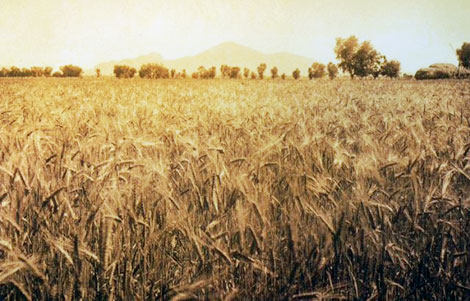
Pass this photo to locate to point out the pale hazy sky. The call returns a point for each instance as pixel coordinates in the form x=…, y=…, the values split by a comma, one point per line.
x=86, y=32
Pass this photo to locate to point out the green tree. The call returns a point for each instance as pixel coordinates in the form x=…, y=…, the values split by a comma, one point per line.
x=14, y=72
x=71, y=71
x=206, y=73
x=366, y=60
x=316, y=71
x=4, y=72
x=37, y=71
x=261, y=68
x=25, y=72
x=234, y=71
x=391, y=69
x=246, y=72
x=274, y=72
x=124, y=71
x=225, y=70
x=463, y=54
x=345, y=51
x=296, y=73
x=332, y=70
x=283, y=76
x=47, y=71
x=173, y=73
x=153, y=71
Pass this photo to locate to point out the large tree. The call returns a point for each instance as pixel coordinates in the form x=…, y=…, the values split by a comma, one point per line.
x=345, y=51
x=366, y=60
x=463, y=55
x=358, y=59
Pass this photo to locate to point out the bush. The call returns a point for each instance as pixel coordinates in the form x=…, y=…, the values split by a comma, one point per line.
x=246, y=72
x=14, y=72
x=234, y=72
x=37, y=71
x=274, y=72
x=47, y=71
x=332, y=70
x=206, y=73
x=123, y=71
x=4, y=72
x=296, y=73
x=71, y=71
x=261, y=68
x=153, y=71
x=432, y=73
x=225, y=71
x=57, y=74
x=316, y=71
x=391, y=69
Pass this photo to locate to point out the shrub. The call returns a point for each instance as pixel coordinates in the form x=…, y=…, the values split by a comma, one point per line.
x=124, y=71
x=71, y=71
x=234, y=72
x=316, y=71
x=274, y=72
x=261, y=68
x=47, y=71
x=246, y=72
x=391, y=69
x=296, y=73
x=225, y=71
x=206, y=73
x=14, y=72
x=37, y=71
x=332, y=70
x=153, y=71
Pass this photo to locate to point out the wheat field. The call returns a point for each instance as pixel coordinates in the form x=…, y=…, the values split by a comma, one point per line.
x=234, y=189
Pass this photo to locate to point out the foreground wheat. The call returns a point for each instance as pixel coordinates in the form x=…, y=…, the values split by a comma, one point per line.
x=234, y=189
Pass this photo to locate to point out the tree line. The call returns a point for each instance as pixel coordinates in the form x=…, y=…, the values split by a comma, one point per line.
x=355, y=58
x=65, y=71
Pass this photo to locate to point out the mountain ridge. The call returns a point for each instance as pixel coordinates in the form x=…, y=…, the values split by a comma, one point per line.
x=228, y=53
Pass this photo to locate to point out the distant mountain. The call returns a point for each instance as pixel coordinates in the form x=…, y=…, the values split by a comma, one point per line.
x=227, y=53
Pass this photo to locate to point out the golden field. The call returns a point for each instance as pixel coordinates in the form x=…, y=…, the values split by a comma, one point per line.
x=234, y=190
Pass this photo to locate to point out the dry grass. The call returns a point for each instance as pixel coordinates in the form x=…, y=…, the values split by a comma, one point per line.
x=139, y=189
